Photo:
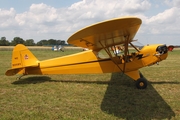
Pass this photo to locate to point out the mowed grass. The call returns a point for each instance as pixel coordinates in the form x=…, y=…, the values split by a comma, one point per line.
x=109, y=96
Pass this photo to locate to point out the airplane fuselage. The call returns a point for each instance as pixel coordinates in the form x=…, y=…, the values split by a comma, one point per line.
x=88, y=62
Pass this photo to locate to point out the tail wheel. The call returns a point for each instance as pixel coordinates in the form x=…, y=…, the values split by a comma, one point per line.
x=141, y=83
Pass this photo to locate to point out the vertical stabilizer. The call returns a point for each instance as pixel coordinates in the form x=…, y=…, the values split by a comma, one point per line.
x=21, y=58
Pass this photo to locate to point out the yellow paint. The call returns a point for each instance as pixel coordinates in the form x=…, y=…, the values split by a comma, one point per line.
x=85, y=62
x=22, y=57
x=109, y=33
x=116, y=29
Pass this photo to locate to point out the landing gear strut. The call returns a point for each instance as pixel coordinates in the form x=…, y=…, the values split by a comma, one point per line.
x=18, y=78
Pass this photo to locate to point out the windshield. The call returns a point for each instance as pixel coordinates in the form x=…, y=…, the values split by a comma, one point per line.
x=137, y=44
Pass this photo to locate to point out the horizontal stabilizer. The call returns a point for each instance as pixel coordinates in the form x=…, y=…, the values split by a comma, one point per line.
x=12, y=72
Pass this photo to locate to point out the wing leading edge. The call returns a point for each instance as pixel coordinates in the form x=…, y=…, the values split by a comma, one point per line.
x=108, y=33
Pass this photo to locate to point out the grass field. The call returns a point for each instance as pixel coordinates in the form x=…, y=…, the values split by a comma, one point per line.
x=110, y=96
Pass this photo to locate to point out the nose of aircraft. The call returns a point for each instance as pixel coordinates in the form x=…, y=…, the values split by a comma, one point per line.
x=162, y=49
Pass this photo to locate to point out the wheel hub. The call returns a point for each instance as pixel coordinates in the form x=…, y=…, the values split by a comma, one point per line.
x=141, y=84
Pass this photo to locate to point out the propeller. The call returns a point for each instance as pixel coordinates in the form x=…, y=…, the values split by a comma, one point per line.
x=170, y=48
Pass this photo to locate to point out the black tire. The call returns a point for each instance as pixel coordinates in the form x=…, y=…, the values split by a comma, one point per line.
x=141, y=83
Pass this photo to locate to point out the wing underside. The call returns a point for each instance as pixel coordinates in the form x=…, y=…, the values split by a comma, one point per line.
x=107, y=33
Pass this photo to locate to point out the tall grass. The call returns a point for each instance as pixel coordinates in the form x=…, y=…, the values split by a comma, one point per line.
x=90, y=96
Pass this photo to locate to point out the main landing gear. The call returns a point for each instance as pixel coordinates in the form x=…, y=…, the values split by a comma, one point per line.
x=141, y=83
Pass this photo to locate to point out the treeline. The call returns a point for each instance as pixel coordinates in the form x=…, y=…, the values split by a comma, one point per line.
x=30, y=42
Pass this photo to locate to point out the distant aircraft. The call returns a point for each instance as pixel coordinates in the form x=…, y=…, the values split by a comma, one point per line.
x=100, y=39
x=57, y=48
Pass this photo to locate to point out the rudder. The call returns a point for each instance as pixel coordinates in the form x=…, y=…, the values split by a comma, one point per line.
x=22, y=57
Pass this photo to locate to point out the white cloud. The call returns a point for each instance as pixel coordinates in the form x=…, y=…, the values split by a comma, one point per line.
x=42, y=21
x=6, y=18
x=135, y=6
x=163, y=23
x=38, y=14
x=174, y=3
x=162, y=28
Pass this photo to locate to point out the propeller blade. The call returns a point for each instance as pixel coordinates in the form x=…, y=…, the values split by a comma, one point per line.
x=170, y=48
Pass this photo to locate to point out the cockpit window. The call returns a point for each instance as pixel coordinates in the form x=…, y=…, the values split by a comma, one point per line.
x=112, y=51
x=103, y=54
x=118, y=50
x=138, y=45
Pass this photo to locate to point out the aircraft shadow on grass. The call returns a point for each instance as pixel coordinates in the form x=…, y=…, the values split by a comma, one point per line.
x=122, y=99
x=33, y=80
x=42, y=79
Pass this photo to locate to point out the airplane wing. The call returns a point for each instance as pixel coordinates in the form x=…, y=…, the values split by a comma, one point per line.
x=106, y=33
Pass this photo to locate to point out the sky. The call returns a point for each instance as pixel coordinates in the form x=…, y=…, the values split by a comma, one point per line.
x=59, y=19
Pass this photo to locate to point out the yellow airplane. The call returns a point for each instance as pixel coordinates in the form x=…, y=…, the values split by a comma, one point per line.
x=102, y=40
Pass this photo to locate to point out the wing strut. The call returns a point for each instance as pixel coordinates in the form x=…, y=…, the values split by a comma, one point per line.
x=134, y=47
x=109, y=53
x=126, y=52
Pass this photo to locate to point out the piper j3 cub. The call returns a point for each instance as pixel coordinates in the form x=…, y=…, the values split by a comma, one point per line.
x=101, y=39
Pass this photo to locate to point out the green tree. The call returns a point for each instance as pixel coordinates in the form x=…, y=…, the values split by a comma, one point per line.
x=42, y=42
x=63, y=42
x=52, y=42
x=17, y=40
x=29, y=42
x=4, y=42
x=60, y=42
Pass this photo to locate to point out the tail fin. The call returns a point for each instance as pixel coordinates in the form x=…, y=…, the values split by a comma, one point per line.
x=21, y=58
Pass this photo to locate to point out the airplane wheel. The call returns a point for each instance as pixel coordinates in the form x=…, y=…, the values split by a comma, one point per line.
x=141, y=83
